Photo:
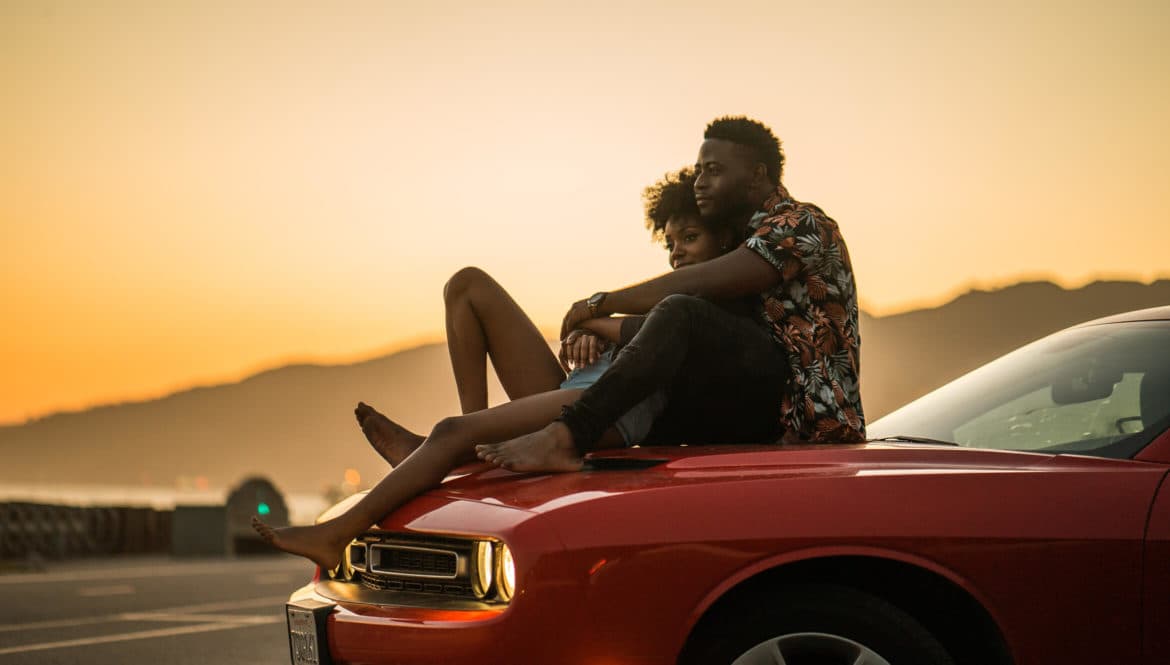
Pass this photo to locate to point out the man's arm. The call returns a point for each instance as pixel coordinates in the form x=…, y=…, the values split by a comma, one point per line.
x=738, y=273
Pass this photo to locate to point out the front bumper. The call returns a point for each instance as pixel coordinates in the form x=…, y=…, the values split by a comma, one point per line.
x=408, y=635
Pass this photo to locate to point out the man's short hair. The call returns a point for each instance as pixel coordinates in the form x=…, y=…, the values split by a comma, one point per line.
x=753, y=135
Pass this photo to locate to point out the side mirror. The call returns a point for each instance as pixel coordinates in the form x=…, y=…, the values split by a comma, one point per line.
x=1085, y=384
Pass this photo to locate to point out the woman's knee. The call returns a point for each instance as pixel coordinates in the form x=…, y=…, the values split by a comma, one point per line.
x=463, y=281
x=446, y=429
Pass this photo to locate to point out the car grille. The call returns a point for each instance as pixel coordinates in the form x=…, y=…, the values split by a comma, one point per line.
x=382, y=583
x=413, y=561
x=404, y=563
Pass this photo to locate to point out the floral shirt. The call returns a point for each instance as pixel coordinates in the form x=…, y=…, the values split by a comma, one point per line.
x=813, y=315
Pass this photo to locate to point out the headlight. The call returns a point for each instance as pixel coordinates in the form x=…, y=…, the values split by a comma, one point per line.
x=507, y=574
x=346, y=565
x=484, y=570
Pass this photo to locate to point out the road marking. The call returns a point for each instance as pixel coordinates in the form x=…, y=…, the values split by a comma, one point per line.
x=137, y=635
x=163, y=570
x=197, y=618
x=273, y=601
x=101, y=591
x=270, y=601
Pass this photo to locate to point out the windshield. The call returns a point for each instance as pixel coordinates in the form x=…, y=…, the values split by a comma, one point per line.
x=1098, y=390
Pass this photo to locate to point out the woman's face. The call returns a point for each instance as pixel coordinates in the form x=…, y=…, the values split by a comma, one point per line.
x=689, y=242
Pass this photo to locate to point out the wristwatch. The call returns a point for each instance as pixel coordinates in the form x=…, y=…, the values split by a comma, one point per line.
x=595, y=301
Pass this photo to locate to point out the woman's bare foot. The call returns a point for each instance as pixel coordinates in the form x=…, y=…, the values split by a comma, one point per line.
x=316, y=543
x=549, y=449
x=392, y=441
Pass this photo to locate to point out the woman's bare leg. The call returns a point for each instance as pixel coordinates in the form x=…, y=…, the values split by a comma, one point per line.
x=482, y=321
x=450, y=444
x=391, y=440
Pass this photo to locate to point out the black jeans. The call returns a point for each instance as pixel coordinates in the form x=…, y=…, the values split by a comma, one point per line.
x=724, y=376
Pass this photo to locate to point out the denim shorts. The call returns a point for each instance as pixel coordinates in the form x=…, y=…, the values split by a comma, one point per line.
x=635, y=424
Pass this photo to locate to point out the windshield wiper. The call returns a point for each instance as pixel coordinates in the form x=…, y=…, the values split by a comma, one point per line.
x=913, y=439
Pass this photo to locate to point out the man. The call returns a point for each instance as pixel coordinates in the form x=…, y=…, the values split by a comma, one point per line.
x=791, y=371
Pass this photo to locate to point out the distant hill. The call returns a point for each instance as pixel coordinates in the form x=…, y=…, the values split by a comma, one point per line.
x=907, y=355
x=295, y=424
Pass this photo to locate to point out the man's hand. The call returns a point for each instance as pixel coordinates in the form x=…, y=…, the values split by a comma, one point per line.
x=580, y=348
x=578, y=312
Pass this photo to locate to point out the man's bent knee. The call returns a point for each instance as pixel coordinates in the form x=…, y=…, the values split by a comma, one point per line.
x=464, y=280
x=678, y=306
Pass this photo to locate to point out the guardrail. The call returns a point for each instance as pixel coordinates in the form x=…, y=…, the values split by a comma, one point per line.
x=58, y=532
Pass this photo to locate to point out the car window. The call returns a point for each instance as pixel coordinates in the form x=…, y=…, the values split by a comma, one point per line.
x=1100, y=390
x=1034, y=421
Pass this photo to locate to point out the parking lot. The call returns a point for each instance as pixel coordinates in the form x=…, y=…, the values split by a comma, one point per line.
x=149, y=610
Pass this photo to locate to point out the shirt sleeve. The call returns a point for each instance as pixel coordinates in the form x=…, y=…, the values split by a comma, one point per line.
x=789, y=241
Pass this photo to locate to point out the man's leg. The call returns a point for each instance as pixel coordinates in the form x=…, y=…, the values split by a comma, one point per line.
x=687, y=343
x=482, y=320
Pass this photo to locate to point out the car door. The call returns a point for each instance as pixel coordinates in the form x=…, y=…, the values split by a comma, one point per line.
x=1156, y=587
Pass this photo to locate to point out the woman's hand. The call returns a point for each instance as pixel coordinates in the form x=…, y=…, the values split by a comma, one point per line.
x=580, y=348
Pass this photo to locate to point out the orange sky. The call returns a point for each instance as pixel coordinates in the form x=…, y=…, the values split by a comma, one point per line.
x=191, y=191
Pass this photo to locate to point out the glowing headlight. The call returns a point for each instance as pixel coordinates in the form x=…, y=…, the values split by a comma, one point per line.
x=481, y=581
x=507, y=574
x=345, y=571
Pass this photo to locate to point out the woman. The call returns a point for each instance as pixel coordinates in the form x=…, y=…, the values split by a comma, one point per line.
x=483, y=320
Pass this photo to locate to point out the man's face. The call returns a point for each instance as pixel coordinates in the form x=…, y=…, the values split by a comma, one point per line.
x=723, y=179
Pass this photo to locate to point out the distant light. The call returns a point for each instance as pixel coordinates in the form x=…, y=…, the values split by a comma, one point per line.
x=352, y=477
x=263, y=509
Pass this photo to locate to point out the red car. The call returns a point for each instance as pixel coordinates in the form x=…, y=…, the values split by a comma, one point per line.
x=1018, y=515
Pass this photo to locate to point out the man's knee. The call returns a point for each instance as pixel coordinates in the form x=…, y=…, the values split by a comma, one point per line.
x=678, y=307
x=463, y=281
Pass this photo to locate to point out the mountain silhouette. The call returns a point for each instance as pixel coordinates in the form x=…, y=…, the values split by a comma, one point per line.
x=295, y=424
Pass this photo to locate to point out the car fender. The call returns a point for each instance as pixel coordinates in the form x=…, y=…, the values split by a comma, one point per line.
x=817, y=553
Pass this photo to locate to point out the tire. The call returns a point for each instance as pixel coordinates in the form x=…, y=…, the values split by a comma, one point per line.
x=814, y=625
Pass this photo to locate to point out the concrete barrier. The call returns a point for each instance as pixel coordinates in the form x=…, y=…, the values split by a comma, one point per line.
x=57, y=532
x=49, y=531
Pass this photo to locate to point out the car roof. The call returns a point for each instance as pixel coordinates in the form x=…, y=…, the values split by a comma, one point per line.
x=1151, y=314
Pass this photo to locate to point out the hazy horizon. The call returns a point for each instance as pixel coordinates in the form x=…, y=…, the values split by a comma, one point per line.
x=192, y=191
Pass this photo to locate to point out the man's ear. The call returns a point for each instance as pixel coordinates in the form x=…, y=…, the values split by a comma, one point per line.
x=760, y=177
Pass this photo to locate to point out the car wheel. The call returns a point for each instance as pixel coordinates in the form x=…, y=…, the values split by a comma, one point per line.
x=818, y=625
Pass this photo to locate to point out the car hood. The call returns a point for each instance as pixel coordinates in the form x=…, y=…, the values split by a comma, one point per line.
x=651, y=468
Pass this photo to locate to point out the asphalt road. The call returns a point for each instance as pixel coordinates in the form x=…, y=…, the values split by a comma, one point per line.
x=150, y=610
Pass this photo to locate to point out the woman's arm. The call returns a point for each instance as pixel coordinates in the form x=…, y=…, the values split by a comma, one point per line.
x=584, y=344
x=606, y=327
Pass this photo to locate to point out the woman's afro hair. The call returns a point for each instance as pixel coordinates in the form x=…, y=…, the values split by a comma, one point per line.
x=673, y=195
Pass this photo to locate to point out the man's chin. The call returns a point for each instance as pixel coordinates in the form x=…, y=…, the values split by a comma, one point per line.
x=713, y=213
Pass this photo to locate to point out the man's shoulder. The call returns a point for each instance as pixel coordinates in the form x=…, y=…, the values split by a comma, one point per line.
x=791, y=213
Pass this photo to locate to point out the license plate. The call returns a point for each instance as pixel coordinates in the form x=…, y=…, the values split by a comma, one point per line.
x=307, y=644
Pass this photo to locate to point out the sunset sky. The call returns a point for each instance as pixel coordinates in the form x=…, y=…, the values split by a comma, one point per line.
x=192, y=191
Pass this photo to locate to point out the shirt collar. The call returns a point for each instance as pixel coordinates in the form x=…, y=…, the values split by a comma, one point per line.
x=777, y=198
